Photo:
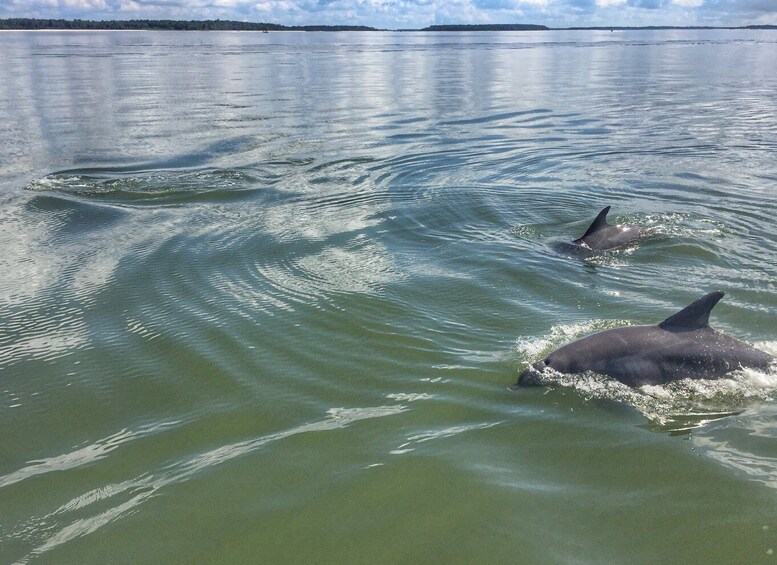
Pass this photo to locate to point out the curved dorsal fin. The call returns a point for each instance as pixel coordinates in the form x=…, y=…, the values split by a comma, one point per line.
x=599, y=223
x=694, y=316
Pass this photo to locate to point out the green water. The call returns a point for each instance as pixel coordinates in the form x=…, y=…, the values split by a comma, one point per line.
x=263, y=296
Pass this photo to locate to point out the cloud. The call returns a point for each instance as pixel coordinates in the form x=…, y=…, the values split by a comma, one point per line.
x=739, y=6
x=688, y=3
x=412, y=13
x=494, y=4
x=648, y=4
x=586, y=5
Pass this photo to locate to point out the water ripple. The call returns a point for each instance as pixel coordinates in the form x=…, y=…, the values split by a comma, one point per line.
x=257, y=227
x=92, y=510
x=83, y=456
x=155, y=187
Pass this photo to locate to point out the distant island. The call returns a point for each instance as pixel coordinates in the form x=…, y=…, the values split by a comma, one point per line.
x=232, y=25
x=625, y=28
x=486, y=27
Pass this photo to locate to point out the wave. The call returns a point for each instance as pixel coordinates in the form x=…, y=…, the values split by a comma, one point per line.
x=93, y=510
x=154, y=187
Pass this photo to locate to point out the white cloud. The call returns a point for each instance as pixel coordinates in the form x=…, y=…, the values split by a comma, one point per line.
x=84, y=4
x=129, y=6
x=393, y=14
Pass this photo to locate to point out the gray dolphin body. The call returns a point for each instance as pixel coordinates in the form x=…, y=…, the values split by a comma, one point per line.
x=682, y=346
x=601, y=236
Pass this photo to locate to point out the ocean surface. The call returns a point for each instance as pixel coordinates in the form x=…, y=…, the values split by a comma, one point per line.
x=263, y=296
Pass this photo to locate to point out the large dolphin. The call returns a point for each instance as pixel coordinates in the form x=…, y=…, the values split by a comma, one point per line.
x=682, y=346
x=601, y=236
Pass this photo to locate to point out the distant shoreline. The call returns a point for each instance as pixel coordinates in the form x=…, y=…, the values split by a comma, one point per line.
x=40, y=24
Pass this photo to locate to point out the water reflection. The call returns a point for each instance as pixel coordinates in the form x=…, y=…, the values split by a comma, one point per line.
x=744, y=444
x=238, y=231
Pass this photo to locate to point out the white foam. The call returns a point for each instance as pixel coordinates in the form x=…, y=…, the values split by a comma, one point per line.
x=530, y=348
x=409, y=397
x=678, y=405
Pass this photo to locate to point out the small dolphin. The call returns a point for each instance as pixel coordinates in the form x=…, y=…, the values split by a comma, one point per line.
x=601, y=236
x=683, y=346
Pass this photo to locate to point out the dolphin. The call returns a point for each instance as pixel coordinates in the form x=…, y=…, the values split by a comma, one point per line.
x=601, y=236
x=683, y=346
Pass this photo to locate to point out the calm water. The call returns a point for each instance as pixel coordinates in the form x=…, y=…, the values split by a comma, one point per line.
x=262, y=296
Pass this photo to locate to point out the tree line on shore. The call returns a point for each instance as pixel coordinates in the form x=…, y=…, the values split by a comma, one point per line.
x=165, y=25
x=233, y=25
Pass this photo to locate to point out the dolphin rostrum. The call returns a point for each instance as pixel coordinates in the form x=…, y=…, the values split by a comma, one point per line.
x=683, y=346
x=601, y=236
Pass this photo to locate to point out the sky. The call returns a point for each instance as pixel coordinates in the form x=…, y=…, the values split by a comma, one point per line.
x=398, y=14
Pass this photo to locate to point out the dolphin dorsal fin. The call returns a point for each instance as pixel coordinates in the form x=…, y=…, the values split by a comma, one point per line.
x=694, y=316
x=599, y=223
